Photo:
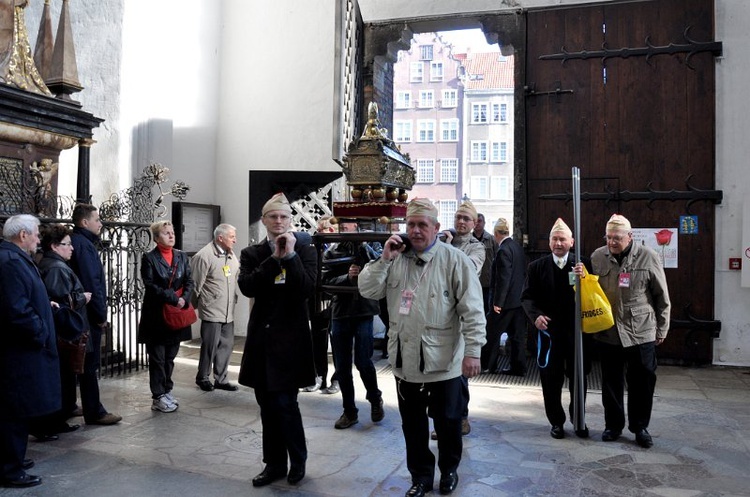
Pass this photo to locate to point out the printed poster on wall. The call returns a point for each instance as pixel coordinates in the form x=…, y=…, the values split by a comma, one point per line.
x=662, y=240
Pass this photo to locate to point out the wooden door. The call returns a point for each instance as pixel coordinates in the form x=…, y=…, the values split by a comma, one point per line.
x=604, y=93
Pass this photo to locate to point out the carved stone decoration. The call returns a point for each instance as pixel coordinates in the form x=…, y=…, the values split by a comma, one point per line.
x=63, y=74
x=17, y=66
x=45, y=43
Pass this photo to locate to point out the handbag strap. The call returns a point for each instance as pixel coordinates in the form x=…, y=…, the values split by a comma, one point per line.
x=174, y=271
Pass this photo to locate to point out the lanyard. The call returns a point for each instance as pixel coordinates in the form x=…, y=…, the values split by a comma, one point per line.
x=419, y=281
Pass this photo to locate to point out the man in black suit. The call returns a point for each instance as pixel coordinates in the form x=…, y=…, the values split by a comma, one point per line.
x=280, y=274
x=506, y=313
x=549, y=301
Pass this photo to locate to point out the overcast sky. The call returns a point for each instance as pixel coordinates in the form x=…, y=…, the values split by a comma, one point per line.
x=471, y=38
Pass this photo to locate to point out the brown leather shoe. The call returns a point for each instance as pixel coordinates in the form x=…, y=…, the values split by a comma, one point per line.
x=107, y=419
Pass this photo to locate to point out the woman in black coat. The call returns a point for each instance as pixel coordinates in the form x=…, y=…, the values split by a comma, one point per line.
x=65, y=289
x=164, y=271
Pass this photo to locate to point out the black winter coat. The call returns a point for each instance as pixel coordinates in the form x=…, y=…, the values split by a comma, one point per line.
x=278, y=351
x=156, y=273
x=349, y=304
x=29, y=367
x=63, y=286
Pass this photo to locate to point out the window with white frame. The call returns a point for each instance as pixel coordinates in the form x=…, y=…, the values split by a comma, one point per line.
x=478, y=113
x=449, y=170
x=499, y=152
x=449, y=130
x=480, y=188
x=426, y=130
x=426, y=99
x=500, y=187
x=478, y=151
x=416, y=72
x=403, y=100
x=499, y=113
x=425, y=170
x=425, y=52
x=436, y=71
x=446, y=212
x=450, y=98
x=402, y=131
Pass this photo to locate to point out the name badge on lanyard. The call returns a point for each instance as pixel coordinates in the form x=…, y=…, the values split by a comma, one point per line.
x=624, y=280
x=280, y=278
x=407, y=297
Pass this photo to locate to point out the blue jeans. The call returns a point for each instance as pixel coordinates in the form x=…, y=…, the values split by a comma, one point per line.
x=354, y=333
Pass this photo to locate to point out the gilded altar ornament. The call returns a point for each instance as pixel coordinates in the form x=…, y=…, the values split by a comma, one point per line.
x=374, y=166
x=17, y=66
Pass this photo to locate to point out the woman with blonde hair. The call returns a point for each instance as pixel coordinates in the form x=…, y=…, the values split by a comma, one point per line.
x=164, y=272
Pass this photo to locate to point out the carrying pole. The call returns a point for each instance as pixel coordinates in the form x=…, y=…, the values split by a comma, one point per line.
x=579, y=399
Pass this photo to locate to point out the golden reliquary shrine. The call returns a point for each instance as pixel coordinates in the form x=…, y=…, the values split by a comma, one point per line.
x=378, y=174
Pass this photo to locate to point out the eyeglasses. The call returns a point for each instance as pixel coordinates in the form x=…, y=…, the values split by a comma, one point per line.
x=67, y=244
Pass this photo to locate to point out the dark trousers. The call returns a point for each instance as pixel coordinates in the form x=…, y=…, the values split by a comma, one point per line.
x=88, y=381
x=283, y=433
x=561, y=363
x=217, y=341
x=354, y=333
x=442, y=401
x=319, y=327
x=486, y=299
x=637, y=366
x=160, y=367
x=512, y=322
x=14, y=438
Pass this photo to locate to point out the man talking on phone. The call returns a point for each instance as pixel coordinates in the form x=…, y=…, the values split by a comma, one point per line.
x=436, y=334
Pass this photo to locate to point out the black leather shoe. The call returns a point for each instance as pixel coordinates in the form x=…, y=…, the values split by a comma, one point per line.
x=610, y=435
x=22, y=482
x=418, y=490
x=448, y=483
x=205, y=385
x=45, y=437
x=65, y=428
x=643, y=438
x=226, y=386
x=557, y=432
x=268, y=476
x=512, y=372
x=27, y=464
x=295, y=475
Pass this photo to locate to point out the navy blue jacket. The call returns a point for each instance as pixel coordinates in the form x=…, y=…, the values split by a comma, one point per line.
x=88, y=267
x=29, y=367
x=508, y=275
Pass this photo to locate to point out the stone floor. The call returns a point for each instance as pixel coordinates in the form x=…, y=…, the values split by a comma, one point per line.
x=211, y=445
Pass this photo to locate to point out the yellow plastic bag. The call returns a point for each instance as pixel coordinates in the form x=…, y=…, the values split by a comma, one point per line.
x=596, y=311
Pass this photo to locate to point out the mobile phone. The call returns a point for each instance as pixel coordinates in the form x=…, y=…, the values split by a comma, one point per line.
x=281, y=243
x=406, y=243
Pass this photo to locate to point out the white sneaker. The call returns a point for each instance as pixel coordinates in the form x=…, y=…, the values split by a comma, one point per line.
x=315, y=387
x=334, y=388
x=171, y=398
x=163, y=404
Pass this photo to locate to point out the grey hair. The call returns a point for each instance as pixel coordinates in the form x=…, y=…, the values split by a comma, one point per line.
x=223, y=230
x=14, y=225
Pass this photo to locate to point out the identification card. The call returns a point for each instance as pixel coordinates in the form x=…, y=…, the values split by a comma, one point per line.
x=227, y=271
x=281, y=278
x=572, y=278
x=624, y=280
x=407, y=296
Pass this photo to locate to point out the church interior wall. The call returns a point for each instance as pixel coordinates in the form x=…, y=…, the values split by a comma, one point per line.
x=249, y=85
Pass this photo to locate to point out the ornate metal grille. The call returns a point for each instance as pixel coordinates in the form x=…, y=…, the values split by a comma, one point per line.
x=125, y=237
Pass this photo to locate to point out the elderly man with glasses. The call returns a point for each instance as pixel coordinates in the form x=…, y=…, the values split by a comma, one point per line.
x=632, y=276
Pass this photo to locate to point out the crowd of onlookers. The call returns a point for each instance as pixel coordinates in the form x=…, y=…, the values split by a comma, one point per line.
x=444, y=296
